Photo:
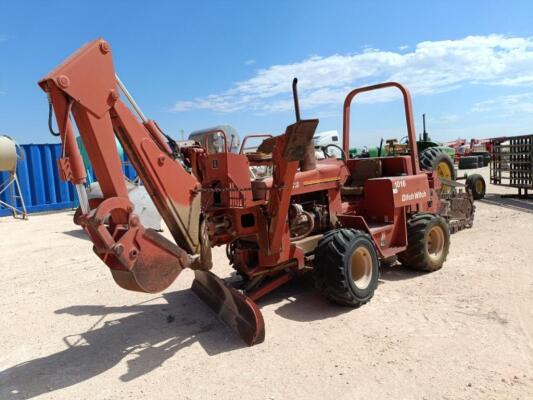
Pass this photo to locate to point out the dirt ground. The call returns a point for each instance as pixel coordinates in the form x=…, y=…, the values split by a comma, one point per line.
x=464, y=332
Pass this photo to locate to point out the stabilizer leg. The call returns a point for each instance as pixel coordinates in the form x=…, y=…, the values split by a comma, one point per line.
x=238, y=311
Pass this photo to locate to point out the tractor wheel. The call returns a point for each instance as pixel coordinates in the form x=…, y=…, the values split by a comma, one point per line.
x=434, y=159
x=346, y=267
x=468, y=162
x=477, y=186
x=428, y=243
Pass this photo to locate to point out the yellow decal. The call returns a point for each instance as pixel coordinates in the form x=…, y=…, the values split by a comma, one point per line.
x=317, y=181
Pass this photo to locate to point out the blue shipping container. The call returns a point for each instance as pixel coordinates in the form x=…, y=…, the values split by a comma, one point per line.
x=39, y=180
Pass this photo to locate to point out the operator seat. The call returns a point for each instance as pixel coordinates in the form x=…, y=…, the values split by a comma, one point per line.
x=361, y=169
x=263, y=152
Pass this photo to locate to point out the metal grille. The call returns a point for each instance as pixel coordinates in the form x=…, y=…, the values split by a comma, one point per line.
x=512, y=162
x=217, y=196
x=236, y=197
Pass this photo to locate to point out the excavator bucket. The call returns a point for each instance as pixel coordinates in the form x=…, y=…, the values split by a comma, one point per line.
x=238, y=311
x=158, y=264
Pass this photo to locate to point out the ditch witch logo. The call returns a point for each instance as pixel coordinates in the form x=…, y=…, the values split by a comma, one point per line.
x=407, y=196
x=413, y=196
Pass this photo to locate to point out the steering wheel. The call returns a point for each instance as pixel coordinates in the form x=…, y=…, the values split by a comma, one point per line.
x=404, y=140
x=343, y=157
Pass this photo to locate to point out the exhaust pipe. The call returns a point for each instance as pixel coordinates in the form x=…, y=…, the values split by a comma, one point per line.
x=309, y=160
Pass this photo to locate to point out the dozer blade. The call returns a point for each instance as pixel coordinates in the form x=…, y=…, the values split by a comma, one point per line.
x=238, y=311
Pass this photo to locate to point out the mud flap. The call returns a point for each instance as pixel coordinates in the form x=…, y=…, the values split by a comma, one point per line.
x=238, y=311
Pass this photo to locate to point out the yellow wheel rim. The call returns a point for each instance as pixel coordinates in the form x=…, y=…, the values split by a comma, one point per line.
x=361, y=267
x=479, y=186
x=444, y=171
x=435, y=243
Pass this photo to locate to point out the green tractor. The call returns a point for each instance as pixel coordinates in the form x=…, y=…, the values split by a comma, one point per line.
x=432, y=155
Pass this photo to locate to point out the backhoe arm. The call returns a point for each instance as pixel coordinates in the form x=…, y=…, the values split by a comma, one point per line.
x=85, y=86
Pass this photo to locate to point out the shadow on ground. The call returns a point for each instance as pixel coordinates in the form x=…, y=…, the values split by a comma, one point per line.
x=77, y=233
x=300, y=301
x=514, y=203
x=398, y=273
x=148, y=335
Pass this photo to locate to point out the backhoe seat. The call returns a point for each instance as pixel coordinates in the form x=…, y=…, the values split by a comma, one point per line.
x=263, y=152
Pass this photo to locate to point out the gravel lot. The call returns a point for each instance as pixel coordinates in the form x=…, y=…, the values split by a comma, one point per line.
x=464, y=332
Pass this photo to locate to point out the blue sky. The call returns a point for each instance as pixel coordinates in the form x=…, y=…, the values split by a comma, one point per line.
x=192, y=65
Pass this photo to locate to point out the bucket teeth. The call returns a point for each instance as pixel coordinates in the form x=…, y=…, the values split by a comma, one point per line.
x=238, y=311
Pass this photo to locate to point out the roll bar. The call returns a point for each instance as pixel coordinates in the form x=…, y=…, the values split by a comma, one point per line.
x=408, y=118
x=264, y=135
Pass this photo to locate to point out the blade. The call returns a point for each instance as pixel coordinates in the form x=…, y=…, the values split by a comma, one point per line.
x=238, y=311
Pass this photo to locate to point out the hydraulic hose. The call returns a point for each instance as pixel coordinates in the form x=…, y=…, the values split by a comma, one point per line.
x=50, y=128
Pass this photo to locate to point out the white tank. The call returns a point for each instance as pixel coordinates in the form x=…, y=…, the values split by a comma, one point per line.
x=8, y=154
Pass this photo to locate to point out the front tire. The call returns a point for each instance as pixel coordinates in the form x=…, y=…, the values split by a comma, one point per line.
x=476, y=185
x=346, y=267
x=428, y=243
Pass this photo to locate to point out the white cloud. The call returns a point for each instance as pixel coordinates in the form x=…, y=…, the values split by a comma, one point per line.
x=444, y=119
x=432, y=67
x=507, y=105
x=249, y=62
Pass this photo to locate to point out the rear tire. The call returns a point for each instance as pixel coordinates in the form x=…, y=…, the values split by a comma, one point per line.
x=431, y=158
x=434, y=159
x=428, y=243
x=346, y=267
x=476, y=185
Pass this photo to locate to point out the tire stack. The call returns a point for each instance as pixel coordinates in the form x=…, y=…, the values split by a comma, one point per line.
x=485, y=157
x=469, y=162
x=478, y=159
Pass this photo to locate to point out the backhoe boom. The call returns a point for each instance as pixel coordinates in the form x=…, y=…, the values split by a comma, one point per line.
x=85, y=85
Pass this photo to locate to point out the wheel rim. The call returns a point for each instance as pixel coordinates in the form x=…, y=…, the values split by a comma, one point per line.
x=361, y=265
x=444, y=171
x=479, y=186
x=435, y=243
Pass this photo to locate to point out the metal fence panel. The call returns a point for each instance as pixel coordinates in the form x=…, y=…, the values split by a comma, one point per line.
x=512, y=162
